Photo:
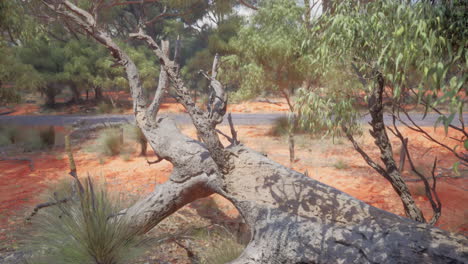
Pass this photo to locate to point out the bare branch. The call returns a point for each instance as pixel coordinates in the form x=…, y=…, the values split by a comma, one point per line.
x=163, y=84
x=224, y=135
x=417, y=128
x=364, y=155
x=156, y=161
x=244, y=3
x=431, y=193
x=426, y=104
x=45, y=205
x=233, y=130
x=165, y=14
x=218, y=98
x=203, y=123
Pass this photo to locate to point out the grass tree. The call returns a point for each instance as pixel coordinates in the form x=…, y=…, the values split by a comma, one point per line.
x=396, y=54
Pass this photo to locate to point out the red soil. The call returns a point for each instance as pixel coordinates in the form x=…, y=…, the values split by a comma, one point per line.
x=20, y=187
x=169, y=106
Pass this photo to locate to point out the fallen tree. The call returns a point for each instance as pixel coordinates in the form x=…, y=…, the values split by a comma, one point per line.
x=292, y=218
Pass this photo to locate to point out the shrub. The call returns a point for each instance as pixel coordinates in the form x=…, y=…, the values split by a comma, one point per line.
x=47, y=136
x=281, y=127
x=104, y=108
x=30, y=139
x=9, y=135
x=110, y=142
x=340, y=164
x=82, y=230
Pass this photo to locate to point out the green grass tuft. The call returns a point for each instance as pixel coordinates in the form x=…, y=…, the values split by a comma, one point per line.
x=340, y=165
x=83, y=231
x=109, y=142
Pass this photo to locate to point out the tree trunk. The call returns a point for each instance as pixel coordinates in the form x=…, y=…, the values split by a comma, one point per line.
x=294, y=219
x=379, y=133
x=98, y=96
x=50, y=92
x=291, y=132
x=76, y=96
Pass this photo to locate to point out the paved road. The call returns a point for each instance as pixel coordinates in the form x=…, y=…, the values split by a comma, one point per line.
x=238, y=118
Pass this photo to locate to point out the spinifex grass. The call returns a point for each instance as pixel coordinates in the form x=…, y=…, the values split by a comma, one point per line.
x=84, y=229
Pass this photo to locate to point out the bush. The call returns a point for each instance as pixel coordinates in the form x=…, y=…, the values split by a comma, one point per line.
x=47, y=136
x=340, y=164
x=104, y=108
x=281, y=127
x=110, y=142
x=30, y=139
x=9, y=135
x=82, y=230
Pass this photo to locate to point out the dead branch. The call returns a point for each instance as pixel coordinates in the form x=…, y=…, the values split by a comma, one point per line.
x=224, y=135
x=417, y=128
x=244, y=3
x=431, y=192
x=163, y=85
x=156, y=161
x=426, y=104
x=235, y=141
x=45, y=205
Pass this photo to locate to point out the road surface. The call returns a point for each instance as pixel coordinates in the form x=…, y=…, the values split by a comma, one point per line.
x=180, y=118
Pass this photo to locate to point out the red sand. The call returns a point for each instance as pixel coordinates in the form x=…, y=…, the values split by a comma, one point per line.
x=20, y=188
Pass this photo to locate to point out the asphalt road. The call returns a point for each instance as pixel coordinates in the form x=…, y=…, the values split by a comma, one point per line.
x=238, y=118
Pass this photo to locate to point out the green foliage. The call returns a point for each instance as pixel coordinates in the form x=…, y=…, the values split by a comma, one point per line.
x=30, y=139
x=225, y=251
x=104, y=108
x=340, y=165
x=15, y=76
x=81, y=230
x=47, y=136
x=109, y=142
x=267, y=51
x=405, y=42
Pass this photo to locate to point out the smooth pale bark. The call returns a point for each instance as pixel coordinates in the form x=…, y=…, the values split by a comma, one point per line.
x=292, y=218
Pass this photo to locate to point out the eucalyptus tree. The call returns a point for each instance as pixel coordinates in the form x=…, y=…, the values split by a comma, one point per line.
x=395, y=54
x=292, y=218
x=15, y=28
x=269, y=55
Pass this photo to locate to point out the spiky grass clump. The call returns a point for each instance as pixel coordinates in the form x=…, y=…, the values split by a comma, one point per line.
x=30, y=139
x=340, y=165
x=228, y=249
x=223, y=246
x=110, y=142
x=84, y=230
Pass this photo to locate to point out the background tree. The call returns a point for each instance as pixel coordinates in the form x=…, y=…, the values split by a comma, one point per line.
x=15, y=28
x=268, y=56
x=397, y=54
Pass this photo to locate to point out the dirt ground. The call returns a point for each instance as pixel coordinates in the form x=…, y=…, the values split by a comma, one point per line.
x=333, y=162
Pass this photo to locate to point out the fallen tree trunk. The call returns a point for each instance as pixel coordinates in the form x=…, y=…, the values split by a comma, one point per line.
x=292, y=218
